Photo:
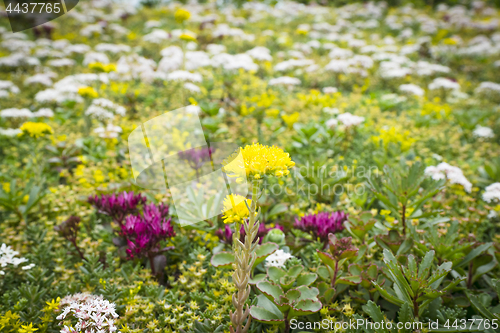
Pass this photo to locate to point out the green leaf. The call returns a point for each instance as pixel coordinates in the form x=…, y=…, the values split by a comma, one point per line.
x=263, y=251
x=375, y=314
x=480, y=308
x=257, y=278
x=305, y=279
x=385, y=294
x=277, y=209
x=405, y=315
x=324, y=273
x=295, y=270
x=268, y=315
x=308, y=293
x=222, y=259
x=275, y=274
x=349, y=280
x=327, y=259
x=425, y=265
x=270, y=290
x=474, y=253
x=305, y=307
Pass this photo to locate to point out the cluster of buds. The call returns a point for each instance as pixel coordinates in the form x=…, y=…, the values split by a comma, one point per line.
x=145, y=231
x=117, y=206
x=69, y=230
x=197, y=157
x=322, y=224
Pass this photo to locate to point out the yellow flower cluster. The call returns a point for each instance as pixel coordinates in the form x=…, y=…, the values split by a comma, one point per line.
x=88, y=92
x=182, y=15
x=99, y=66
x=435, y=109
x=235, y=209
x=290, y=119
x=259, y=160
x=187, y=37
x=392, y=135
x=35, y=130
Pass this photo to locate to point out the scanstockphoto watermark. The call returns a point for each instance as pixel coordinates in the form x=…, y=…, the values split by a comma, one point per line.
x=321, y=188
x=310, y=179
x=362, y=323
x=310, y=169
x=355, y=324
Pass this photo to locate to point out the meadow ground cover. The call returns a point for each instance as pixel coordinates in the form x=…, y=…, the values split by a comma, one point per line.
x=363, y=141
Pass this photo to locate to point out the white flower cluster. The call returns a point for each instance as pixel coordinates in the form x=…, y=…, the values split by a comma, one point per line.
x=93, y=313
x=483, y=132
x=278, y=259
x=492, y=193
x=25, y=113
x=7, y=87
x=104, y=109
x=411, y=89
x=109, y=132
x=443, y=83
x=349, y=120
x=8, y=257
x=445, y=171
x=284, y=80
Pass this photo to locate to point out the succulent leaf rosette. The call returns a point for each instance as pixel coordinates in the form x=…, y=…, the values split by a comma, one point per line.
x=286, y=295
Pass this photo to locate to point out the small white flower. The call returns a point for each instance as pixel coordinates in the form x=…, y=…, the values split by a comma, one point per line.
x=278, y=259
x=483, y=132
x=348, y=119
x=492, y=193
x=284, y=80
x=445, y=171
x=16, y=113
x=330, y=90
x=330, y=123
x=192, y=87
x=412, y=89
x=443, y=83
x=109, y=132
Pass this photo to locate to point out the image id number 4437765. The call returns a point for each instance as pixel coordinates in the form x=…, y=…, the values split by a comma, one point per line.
x=470, y=323
x=34, y=7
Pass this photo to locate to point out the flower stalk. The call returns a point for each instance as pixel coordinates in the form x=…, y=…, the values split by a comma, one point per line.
x=245, y=256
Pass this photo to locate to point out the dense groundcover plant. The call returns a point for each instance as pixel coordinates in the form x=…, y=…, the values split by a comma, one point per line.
x=362, y=180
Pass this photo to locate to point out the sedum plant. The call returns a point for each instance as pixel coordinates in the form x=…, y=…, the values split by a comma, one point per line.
x=415, y=285
x=259, y=161
x=286, y=295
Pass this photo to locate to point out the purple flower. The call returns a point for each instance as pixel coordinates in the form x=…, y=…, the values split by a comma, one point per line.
x=117, y=206
x=322, y=224
x=144, y=232
x=196, y=157
x=226, y=234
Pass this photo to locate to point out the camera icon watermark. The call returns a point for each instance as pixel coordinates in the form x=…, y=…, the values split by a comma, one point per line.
x=26, y=14
x=170, y=153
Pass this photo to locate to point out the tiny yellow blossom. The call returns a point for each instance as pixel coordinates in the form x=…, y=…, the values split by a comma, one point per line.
x=35, y=130
x=182, y=15
x=235, y=209
x=27, y=328
x=88, y=92
x=187, y=37
x=290, y=119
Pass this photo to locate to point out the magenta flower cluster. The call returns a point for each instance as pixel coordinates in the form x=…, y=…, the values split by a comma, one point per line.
x=196, y=157
x=117, y=206
x=226, y=234
x=144, y=232
x=322, y=224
